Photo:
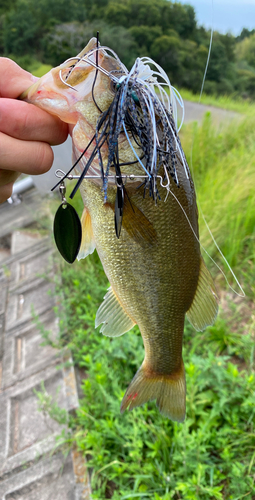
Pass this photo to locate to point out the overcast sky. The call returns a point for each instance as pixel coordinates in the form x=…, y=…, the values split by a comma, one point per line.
x=228, y=15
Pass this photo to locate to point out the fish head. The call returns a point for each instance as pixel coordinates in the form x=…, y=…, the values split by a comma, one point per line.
x=66, y=91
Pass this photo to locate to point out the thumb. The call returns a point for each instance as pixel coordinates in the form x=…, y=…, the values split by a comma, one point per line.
x=13, y=80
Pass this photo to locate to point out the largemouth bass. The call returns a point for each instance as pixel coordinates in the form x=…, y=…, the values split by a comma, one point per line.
x=155, y=268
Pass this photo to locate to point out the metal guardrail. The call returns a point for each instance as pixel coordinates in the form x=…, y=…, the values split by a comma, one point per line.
x=18, y=188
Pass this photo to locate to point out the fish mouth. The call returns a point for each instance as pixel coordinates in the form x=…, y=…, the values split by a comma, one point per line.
x=46, y=95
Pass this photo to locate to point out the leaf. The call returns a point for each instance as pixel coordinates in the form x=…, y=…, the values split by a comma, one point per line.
x=67, y=232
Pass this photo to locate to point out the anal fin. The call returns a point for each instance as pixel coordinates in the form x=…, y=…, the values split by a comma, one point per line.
x=114, y=318
x=87, y=241
x=204, y=308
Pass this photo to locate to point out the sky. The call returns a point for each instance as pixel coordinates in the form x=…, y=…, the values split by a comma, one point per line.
x=228, y=15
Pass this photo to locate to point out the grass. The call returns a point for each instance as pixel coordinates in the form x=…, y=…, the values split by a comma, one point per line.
x=41, y=70
x=223, y=164
x=141, y=455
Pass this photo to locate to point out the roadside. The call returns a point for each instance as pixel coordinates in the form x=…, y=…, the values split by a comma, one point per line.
x=195, y=112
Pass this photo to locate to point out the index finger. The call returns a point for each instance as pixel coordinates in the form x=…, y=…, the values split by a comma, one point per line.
x=14, y=80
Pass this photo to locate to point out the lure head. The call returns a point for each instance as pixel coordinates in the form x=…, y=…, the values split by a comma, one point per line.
x=118, y=123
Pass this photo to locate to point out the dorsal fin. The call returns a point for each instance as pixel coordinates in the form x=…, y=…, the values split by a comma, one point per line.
x=114, y=318
x=87, y=242
x=204, y=308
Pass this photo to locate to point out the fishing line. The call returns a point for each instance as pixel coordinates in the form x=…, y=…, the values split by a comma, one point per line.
x=208, y=58
x=94, y=82
x=222, y=272
x=198, y=203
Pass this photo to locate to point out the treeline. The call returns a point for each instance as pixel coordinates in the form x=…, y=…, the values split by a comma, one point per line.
x=53, y=30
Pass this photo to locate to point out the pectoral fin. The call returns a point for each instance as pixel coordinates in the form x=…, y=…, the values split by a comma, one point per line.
x=87, y=242
x=137, y=224
x=204, y=307
x=111, y=313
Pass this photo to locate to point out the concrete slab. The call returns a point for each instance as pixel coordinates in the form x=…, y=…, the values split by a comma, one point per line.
x=5, y=247
x=20, y=267
x=1, y=337
x=81, y=475
x=3, y=301
x=36, y=294
x=3, y=295
x=31, y=265
x=26, y=432
x=24, y=240
x=24, y=353
x=49, y=479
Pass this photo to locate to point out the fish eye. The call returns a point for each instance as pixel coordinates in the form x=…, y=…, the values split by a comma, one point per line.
x=113, y=86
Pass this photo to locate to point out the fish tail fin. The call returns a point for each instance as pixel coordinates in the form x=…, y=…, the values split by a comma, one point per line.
x=168, y=390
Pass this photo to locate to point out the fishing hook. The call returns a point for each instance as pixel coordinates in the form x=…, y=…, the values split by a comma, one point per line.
x=167, y=177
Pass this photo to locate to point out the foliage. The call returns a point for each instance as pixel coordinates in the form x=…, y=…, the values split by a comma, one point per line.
x=31, y=64
x=141, y=454
x=245, y=50
x=48, y=406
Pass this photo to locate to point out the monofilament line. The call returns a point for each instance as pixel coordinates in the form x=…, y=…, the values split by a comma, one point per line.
x=198, y=203
x=224, y=258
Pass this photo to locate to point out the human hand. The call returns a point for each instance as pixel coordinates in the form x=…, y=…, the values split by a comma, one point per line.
x=26, y=132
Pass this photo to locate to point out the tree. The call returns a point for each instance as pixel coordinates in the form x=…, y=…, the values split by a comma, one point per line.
x=145, y=37
x=134, y=13
x=218, y=63
x=245, y=50
x=64, y=41
x=20, y=31
x=166, y=52
x=245, y=33
x=6, y=5
x=193, y=60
